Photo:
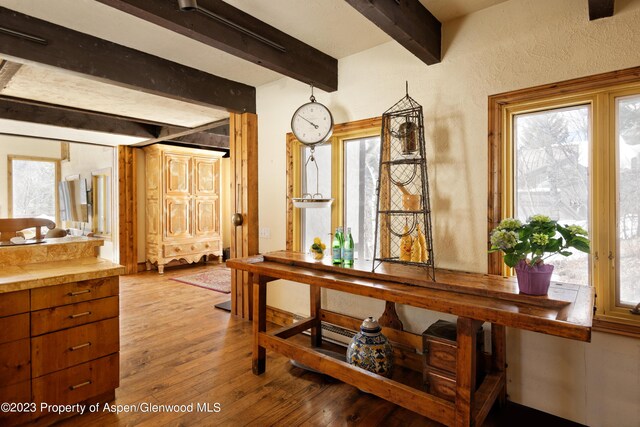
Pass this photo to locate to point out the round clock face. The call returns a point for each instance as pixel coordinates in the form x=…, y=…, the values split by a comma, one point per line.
x=312, y=123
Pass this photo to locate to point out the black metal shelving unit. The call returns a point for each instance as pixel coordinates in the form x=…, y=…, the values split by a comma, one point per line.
x=403, y=175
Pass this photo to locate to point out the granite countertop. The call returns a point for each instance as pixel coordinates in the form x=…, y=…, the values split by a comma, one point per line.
x=51, y=249
x=40, y=274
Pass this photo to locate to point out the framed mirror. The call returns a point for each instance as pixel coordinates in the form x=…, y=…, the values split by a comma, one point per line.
x=101, y=192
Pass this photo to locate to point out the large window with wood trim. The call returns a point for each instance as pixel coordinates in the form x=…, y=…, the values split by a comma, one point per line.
x=572, y=151
x=348, y=173
x=32, y=183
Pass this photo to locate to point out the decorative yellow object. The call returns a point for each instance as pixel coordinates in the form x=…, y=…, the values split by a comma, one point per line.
x=416, y=251
x=423, y=245
x=317, y=248
x=405, y=245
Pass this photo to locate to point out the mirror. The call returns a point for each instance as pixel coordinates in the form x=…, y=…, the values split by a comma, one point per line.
x=73, y=199
x=101, y=189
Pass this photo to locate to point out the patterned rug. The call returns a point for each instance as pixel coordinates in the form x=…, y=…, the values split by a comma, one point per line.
x=216, y=279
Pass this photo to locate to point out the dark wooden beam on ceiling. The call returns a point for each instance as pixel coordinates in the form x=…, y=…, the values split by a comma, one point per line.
x=408, y=22
x=290, y=56
x=204, y=139
x=600, y=9
x=12, y=109
x=174, y=133
x=52, y=45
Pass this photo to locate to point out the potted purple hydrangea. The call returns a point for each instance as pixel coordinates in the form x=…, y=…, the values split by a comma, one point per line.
x=526, y=246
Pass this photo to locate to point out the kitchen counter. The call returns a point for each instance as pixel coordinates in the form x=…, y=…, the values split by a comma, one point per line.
x=40, y=274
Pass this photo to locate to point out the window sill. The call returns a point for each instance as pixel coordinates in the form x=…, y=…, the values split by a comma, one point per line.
x=610, y=327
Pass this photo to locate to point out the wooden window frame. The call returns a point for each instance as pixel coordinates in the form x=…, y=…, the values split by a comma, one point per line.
x=10, y=159
x=600, y=92
x=341, y=133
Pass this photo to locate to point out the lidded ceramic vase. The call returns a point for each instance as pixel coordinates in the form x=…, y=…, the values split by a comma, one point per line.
x=370, y=350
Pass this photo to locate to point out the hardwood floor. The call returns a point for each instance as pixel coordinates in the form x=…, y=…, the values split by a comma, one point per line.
x=176, y=349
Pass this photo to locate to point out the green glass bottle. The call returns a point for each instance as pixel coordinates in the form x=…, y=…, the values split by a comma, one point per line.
x=336, y=246
x=347, y=248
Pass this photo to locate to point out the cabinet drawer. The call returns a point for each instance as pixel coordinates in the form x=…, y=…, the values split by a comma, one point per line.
x=13, y=328
x=59, y=350
x=441, y=355
x=79, y=383
x=14, y=362
x=440, y=384
x=15, y=393
x=70, y=293
x=67, y=316
x=14, y=303
x=177, y=249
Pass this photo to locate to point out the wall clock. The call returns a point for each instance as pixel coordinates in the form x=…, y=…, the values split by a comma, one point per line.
x=312, y=123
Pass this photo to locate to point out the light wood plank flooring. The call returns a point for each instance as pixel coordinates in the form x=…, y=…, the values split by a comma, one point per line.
x=176, y=349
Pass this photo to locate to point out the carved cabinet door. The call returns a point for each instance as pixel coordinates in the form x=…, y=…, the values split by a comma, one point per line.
x=178, y=217
x=177, y=174
x=207, y=221
x=206, y=176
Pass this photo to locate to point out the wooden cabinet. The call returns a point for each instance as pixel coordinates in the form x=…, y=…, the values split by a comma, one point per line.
x=58, y=344
x=182, y=204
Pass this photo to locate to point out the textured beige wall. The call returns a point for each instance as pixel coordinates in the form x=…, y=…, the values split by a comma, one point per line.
x=516, y=44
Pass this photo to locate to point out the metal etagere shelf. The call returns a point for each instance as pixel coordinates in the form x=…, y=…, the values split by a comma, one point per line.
x=403, y=214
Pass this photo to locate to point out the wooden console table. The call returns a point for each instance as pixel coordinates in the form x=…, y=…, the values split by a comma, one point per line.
x=474, y=298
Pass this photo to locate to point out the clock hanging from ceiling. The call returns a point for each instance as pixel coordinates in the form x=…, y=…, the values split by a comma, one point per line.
x=312, y=123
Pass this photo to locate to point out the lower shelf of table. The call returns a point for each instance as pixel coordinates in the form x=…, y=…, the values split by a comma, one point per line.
x=392, y=390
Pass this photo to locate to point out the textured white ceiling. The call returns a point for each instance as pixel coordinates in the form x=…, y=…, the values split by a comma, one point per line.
x=446, y=10
x=331, y=26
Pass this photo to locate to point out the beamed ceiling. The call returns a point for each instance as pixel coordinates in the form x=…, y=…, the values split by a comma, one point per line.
x=141, y=71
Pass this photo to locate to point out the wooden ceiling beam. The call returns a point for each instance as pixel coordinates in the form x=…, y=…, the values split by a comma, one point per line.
x=408, y=22
x=600, y=9
x=174, y=133
x=12, y=109
x=27, y=39
x=204, y=139
x=231, y=30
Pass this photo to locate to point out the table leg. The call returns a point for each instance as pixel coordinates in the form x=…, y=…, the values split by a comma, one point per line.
x=499, y=358
x=259, y=324
x=466, y=370
x=314, y=310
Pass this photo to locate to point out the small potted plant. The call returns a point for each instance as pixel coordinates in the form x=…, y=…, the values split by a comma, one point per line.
x=317, y=248
x=526, y=246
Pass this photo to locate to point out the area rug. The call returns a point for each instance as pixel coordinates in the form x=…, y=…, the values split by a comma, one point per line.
x=216, y=279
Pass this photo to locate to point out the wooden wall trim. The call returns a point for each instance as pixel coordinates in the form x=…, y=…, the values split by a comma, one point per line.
x=127, y=209
x=497, y=107
x=292, y=145
x=243, y=142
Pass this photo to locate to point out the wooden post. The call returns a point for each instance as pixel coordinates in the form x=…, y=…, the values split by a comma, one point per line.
x=259, y=356
x=316, y=303
x=127, y=209
x=465, y=370
x=499, y=358
x=243, y=144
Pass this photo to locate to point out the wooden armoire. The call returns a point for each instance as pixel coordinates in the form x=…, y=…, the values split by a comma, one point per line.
x=182, y=204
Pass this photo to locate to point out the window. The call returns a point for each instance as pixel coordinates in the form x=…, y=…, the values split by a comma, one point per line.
x=33, y=187
x=348, y=169
x=571, y=150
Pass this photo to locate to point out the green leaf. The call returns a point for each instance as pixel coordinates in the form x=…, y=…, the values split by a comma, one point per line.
x=581, y=245
x=565, y=253
x=511, y=259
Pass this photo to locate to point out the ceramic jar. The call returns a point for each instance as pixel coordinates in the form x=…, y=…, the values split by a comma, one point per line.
x=370, y=350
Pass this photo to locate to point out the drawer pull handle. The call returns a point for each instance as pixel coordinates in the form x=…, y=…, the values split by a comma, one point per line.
x=79, y=346
x=177, y=249
x=76, y=293
x=75, y=316
x=77, y=386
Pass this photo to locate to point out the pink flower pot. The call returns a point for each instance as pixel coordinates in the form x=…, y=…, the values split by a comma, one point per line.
x=534, y=280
